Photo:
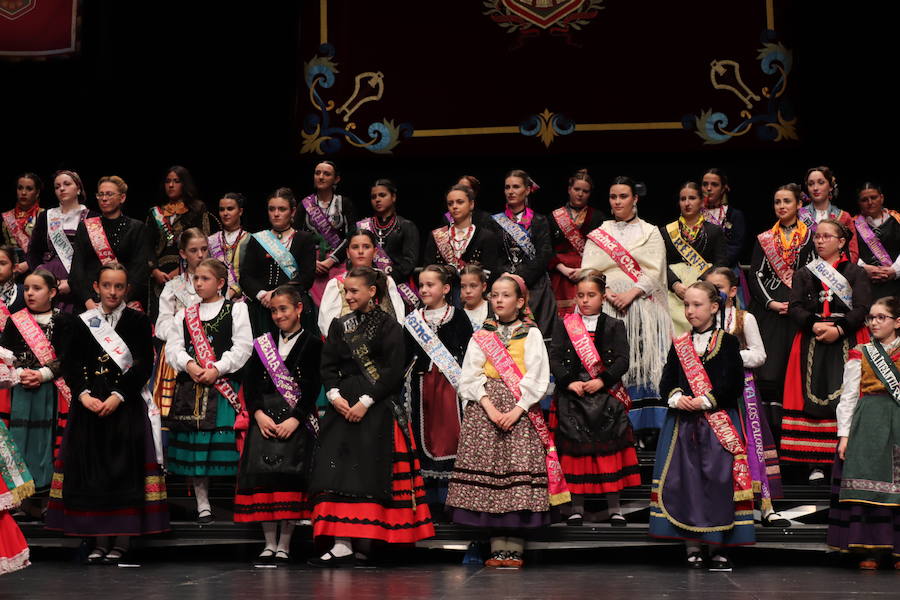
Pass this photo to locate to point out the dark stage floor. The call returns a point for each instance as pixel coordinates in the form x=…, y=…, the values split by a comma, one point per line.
x=645, y=573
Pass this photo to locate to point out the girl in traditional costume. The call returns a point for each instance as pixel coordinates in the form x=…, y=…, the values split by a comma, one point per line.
x=278, y=256
x=228, y=245
x=12, y=299
x=822, y=189
x=829, y=301
x=631, y=254
x=208, y=344
x=502, y=477
x=179, y=209
x=437, y=337
x=38, y=335
x=878, y=230
x=397, y=249
x=762, y=454
x=718, y=211
x=108, y=483
x=19, y=221
x=702, y=492
x=361, y=252
x=693, y=247
x=463, y=242
x=52, y=244
x=588, y=357
x=328, y=217
x=472, y=288
x=777, y=253
x=865, y=501
x=569, y=226
x=15, y=486
x=366, y=483
x=281, y=385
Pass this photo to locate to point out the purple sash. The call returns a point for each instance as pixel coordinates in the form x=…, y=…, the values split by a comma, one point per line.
x=755, y=444
x=321, y=221
x=872, y=241
x=267, y=350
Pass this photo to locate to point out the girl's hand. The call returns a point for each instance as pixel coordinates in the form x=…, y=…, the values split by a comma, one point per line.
x=266, y=299
x=689, y=403
x=109, y=406
x=286, y=428
x=63, y=286
x=492, y=413
x=356, y=412
x=508, y=419
x=577, y=387
x=341, y=406
x=92, y=404
x=827, y=334
x=30, y=379
x=267, y=426
x=679, y=289
x=323, y=266
x=842, y=447
x=593, y=386
x=778, y=307
x=160, y=277
x=22, y=268
x=209, y=376
x=194, y=370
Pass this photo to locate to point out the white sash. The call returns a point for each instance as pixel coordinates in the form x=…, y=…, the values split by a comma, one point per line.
x=111, y=342
x=836, y=282
x=433, y=346
x=61, y=244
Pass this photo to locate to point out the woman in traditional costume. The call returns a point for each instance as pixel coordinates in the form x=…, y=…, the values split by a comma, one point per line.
x=693, y=247
x=15, y=486
x=366, y=483
x=12, y=299
x=281, y=385
x=865, y=502
x=328, y=217
x=397, y=249
x=589, y=418
x=280, y=255
x=878, y=230
x=702, y=492
x=208, y=344
x=52, y=244
x=631, y=254
x=569, y=226
x=822, y=189
x=108, y=483
x=507, y=473
x=436, y=336
x=179, y=209
x=19, y=221
x=830, y=299
x=718, y=211
x=229, y=244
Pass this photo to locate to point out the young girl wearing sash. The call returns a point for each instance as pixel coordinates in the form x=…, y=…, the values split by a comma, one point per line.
x=631, y=254
x=16, y=485
x=879, y=241
x=472, y=288
x=718, y=211
x=434, y=380
x=278, y=256
x=702, y=492
x=463, y=242
x=865, y=500
x=366, y=483
x=693, y=247
x=361, y=252
x=112, y=237
x=208, y=344
x=569, y=226
x=507, y=474
x=762, y=454
x=179, y=208
x=228, y=245
x=281, y=385
x=526, y=248
x=822, y=188
x=19, y=221
x=12, y=299
x=38, y=335
x=108, y=483
x=328, y=217
x=589, y=418
x=829, y=301
x=52, y=242
x=397, y=240
x=777, y=253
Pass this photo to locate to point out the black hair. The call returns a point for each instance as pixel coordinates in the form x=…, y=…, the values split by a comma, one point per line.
x=386, y=183
x=237, y=197
x=440, y=270
x=461, y=187
x=10, y=253
x=38, y=183
x=190, y=196
x=291, y=291
x=372, y=278
x=725, y=272
x=112, y=266
x=284, y=193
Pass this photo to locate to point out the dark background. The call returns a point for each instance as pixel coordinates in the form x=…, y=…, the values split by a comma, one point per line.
x=214, y=86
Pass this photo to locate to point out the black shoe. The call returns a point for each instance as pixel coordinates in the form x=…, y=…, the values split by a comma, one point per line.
x=335, y=562
x=266, y=557
x=96, y=556
x=617, y=520
x=115, y=556
x=205, y=517
x=282, y=557
x=575, y=520
x=720, y=564
x=775, y=520
x=695, y=561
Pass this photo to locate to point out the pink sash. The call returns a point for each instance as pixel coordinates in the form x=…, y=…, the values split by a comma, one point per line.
x=784, y=271
x=4, y=315
x=39, y=344
x=509, y=372
x=9, y=217
x=719, y=421
x=617, y=252
x=99, y=241
x=590, y=358
x=206, y=357
x=872, y=241
x=441, y=237
x=569, y=229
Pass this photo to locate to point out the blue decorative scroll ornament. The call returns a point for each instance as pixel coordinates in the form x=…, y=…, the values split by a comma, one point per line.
x=324, y=132
x=547, y=126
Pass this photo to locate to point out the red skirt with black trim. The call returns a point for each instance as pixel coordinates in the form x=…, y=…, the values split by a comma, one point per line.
x=255, y=506
x=405, y=519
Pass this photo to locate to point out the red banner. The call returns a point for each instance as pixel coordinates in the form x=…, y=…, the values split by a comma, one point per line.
x=38, y=28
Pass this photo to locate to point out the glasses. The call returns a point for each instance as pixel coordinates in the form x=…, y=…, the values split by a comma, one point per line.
x=102, y=195
x=877, y=319
x=824, y=237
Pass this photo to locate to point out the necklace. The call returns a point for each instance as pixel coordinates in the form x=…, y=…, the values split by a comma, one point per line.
x=230, y=248
x=435, y=325
x=788, y=248
x=284, y=233
x=382, y=231
x=459, y=244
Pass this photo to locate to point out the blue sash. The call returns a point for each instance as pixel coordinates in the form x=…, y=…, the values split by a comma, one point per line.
x=278, y=252
x=518, y=233
x=433, y=346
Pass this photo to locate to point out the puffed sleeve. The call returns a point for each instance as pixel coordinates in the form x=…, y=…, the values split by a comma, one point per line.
x=849, y=392
x=330, y=307
x=176, y=355
x=755, y=354
x=396, y=301
x=242, y=341
x=166, y=314
x=472, y=380
x=536, y=379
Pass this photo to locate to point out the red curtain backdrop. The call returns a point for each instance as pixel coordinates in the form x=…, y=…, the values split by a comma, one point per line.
x=38, y=28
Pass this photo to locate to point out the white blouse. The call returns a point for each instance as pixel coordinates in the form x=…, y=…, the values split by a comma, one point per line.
x=332, y=304
x=755, y=354
x=241, y=334
x=168, y=305
x=535, y=380
x=850, y=391
x=478, y=315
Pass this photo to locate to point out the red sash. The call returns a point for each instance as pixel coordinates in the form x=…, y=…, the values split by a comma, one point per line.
x=784, y=271
x=569, y=229
x=441, y=237
x=509, y=372
x=590, y=358
x=38, y=343
x=206, y=357
x=617, y=252
x=99, y=241
x=9, y=217
x=719, y=421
